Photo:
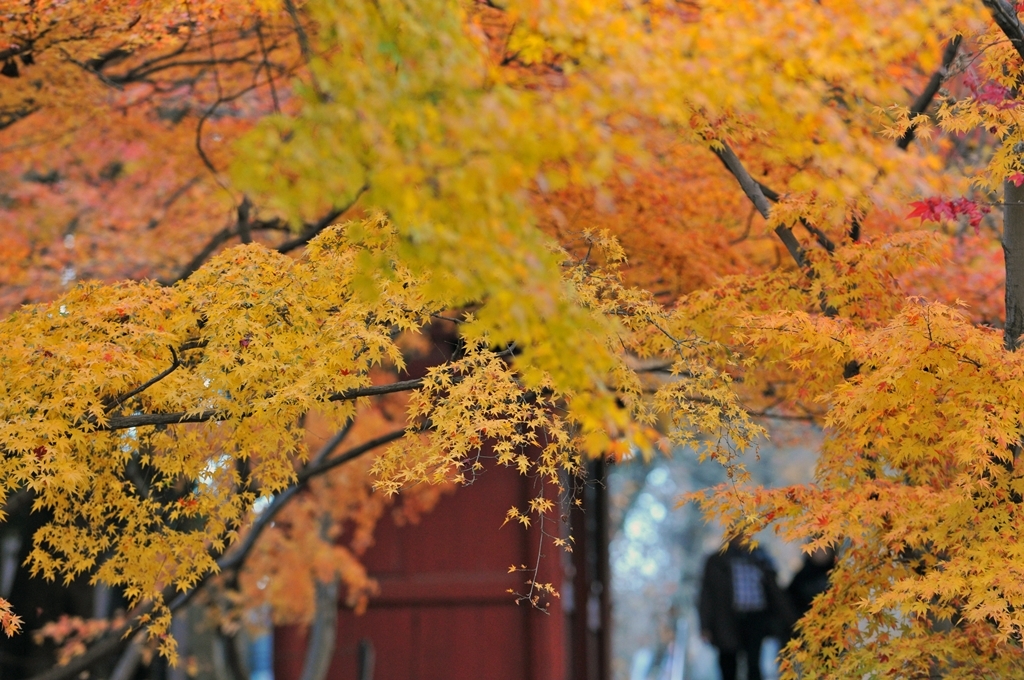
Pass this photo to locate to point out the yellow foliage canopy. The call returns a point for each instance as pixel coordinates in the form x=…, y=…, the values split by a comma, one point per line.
x=147, y=419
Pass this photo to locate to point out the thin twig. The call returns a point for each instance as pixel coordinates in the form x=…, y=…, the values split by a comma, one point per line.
x=266, y=67
x=304, y=46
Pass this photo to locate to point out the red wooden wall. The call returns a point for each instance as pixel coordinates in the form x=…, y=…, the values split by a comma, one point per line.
x=443, y=612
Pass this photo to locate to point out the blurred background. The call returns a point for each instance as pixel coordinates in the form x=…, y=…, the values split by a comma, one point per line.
x=657, y=551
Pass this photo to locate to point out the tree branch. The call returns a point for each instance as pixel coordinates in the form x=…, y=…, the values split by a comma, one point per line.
x=756, y=195
x=111, y=644
x=175, y=363
x=275, y=224
x=11, y=116
x=116, y=640
x=329, y=464
x=305, y=47
x=924, y=100
x=130, y=659
x=750, y=187
x=377, y=390
x=324, y=629
x=215, y=242
x=243, y=224
x=236, y=558
x=755, y=192
x=16, y=501
x=1013, y=251
x=144, y=419
x=266, y=67
x=822, y=238
x=142, y=74
x=313, y=229
x=919, y=106
x=1005, y=16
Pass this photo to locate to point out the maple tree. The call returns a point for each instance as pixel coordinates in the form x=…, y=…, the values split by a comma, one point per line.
x=284, y=200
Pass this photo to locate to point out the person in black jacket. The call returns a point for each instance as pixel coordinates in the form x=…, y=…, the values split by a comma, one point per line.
x=811, y=580
x=740, y=605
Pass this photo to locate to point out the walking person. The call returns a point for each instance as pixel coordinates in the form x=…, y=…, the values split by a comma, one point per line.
x=811, y=580
x=740, y=605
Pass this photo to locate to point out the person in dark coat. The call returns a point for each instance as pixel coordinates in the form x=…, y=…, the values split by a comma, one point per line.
x=740, y=605
x=811, y=580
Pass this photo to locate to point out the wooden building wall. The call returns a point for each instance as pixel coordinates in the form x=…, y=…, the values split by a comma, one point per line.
x=444, y=611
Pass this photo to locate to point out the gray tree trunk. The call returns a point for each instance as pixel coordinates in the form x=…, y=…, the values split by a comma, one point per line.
x=322, y=632
x=1013, y=249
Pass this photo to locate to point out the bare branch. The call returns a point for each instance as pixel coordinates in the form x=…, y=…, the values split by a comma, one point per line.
x=266, y=67
x=88, y=69
x=199, y=142
x=305, y=47
x=275, y=224
x=141, y=74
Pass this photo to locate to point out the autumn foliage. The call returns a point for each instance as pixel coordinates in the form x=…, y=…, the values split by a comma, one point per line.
x=226, y=228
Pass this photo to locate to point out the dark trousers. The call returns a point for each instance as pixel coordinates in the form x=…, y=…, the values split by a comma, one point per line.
x=752, y=628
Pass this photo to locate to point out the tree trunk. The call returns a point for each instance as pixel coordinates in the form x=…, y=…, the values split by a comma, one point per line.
x=1013, y=250
x=322, y=633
